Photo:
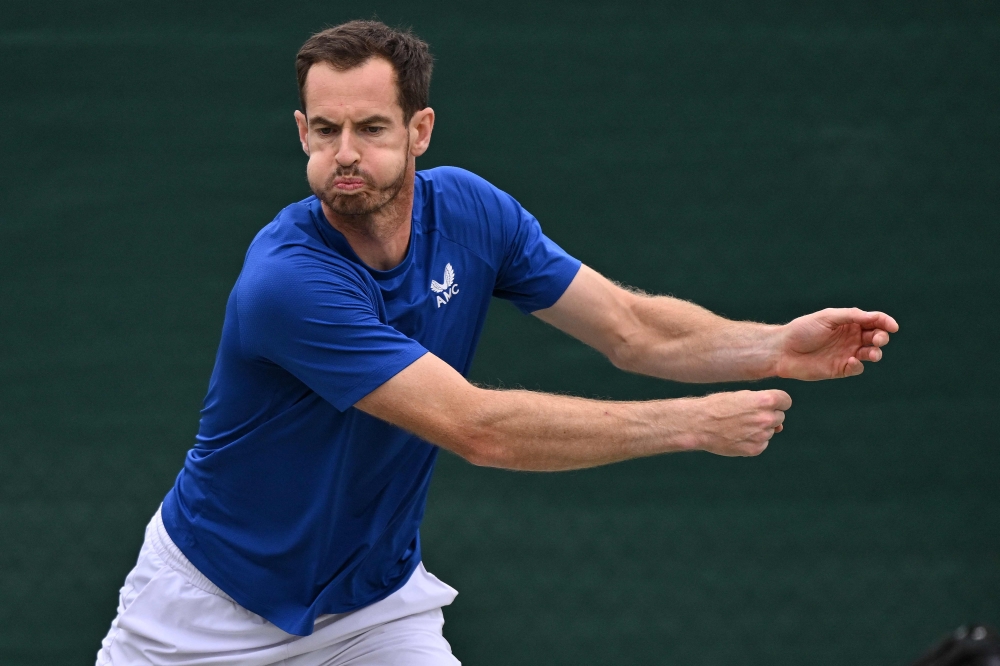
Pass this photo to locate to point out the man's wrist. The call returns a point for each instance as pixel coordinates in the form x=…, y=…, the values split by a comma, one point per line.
x=774, y=345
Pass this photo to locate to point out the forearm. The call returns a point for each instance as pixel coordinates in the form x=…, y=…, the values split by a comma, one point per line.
x=540, y=431
x=525, y=430
x=543, y=432
x=662, y=336
x=673, y=339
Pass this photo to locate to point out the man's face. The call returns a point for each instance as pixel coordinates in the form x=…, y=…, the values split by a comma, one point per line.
x=359, y=148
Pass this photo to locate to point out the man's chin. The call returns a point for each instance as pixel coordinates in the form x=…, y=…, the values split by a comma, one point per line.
x=351, y=204
x=367, y=201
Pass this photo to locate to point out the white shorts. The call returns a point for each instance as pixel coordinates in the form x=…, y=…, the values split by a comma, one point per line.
x=169, y=613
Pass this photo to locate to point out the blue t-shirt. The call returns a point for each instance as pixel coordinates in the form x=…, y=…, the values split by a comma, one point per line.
x=291, y=501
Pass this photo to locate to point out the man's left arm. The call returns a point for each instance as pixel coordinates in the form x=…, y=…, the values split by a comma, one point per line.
x=673, y=339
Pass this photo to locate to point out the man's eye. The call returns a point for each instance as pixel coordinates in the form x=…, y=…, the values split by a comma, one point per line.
x=374, y=129
x=325, y=131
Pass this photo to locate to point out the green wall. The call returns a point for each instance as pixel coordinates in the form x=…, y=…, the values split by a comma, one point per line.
x=762, y=159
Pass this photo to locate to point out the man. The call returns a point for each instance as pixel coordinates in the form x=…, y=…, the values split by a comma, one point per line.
x=291, y=535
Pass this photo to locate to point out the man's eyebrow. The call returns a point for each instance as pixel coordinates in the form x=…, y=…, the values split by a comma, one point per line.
x=376, y=119
x=370, y=120
x=320, y=120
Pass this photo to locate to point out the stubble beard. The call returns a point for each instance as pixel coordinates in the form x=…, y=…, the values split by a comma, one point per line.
x=371, y=200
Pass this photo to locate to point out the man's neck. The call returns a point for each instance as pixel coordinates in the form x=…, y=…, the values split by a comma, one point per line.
x=380, y=239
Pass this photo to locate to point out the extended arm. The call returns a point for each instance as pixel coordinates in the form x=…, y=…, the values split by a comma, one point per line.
x=538, y=431
x=659, y=336
x=673, y=339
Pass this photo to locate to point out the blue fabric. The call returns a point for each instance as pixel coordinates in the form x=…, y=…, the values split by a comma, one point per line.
x=292, y=501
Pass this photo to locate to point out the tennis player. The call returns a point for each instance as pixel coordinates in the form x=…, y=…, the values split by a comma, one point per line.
x=291, y=535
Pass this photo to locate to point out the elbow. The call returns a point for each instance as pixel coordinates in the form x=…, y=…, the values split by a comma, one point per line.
x=628, y=351
x=481, y=457
x=625, y=344
x=622, y=355
x=473, y=438
x=478, y=447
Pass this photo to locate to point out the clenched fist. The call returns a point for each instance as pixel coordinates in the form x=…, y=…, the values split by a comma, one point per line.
x=737, y=424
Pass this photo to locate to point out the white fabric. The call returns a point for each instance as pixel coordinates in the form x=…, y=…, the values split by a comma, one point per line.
x=169, y=614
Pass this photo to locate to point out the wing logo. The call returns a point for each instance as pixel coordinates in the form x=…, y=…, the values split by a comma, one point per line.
x=447, y=289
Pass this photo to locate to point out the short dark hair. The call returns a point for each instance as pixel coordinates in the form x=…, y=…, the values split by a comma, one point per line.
x=352, y=44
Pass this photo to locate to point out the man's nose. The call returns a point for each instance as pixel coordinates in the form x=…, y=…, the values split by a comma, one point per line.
x=347, y=153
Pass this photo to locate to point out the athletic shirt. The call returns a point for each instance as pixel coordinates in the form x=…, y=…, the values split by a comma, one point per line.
x=291, y=501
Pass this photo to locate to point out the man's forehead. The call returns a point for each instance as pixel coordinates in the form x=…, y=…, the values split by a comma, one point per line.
x=368, y=88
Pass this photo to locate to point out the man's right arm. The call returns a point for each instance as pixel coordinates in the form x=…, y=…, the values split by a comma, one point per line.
x=526, y=430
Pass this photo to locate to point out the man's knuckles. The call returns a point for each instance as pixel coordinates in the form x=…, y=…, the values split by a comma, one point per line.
x=784, y=401
x=774, y=399
x=755, y=448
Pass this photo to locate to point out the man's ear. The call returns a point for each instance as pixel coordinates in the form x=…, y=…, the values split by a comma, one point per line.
x=301, y=122
x=421, y=126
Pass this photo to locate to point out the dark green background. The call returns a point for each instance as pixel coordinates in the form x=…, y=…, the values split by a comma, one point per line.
x=762, y=159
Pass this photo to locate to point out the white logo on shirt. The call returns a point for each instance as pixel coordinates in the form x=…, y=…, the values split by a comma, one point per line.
x=448, y=289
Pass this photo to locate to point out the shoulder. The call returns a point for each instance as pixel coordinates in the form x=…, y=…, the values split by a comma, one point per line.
x=458, y=189
x=444, y=177
x=291, y=227
x=288, y=267
x=469, y=210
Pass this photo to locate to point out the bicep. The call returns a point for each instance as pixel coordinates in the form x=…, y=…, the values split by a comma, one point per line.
x=430, y=399
x=595, y=311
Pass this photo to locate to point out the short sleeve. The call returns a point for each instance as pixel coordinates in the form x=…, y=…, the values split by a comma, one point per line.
x=534, y=271
x=321, y=324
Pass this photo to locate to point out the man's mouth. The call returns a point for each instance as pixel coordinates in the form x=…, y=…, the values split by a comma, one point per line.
x=348, y=184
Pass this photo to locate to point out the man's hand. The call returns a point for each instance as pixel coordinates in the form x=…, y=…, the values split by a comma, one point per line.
x=832, y=343
x=737, y=424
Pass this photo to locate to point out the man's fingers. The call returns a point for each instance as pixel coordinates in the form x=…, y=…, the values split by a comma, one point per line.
x=873, y=320
x=775, y=399
x=853, y=367
x=875, y=338
x=881, y=320
x=872, y=354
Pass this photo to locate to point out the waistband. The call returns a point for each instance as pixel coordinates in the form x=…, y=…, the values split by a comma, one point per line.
x=172, y=556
